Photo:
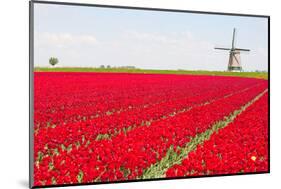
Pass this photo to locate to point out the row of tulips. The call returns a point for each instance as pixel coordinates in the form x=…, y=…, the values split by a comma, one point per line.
x=104, y=94
x=62, y=98
x=114, y=124
x=128, y=154
x=66, y=132
x=241, y=147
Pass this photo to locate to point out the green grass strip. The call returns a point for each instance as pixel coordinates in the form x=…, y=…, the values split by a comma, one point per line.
x=159, y=169
x=260, y=75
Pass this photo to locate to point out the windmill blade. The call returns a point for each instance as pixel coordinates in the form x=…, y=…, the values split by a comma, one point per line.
x=218, y=48
x=242, y=49
x=233, y=38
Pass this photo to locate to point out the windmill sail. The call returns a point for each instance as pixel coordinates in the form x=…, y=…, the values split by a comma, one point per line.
x=222, y=48
x=238, y=49
x=233, y=38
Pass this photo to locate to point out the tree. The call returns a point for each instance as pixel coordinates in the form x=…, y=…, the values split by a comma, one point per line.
x=102, y=66
x=108, y=66
x=53, y=61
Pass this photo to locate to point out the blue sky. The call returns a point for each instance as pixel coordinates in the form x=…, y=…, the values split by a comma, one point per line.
x=93, y=36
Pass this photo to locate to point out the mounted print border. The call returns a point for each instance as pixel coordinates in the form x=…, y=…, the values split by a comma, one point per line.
x=175, y=161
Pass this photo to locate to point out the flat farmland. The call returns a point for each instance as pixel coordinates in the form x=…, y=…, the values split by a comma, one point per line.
x=260, y=75
x=99, y=127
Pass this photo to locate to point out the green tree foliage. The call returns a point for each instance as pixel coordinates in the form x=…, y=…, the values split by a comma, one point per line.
x=53, y=61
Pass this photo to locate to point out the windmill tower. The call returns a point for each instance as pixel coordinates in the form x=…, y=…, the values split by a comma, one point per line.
x=234, y=63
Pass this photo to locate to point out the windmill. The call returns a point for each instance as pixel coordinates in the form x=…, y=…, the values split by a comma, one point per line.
x=234, y=63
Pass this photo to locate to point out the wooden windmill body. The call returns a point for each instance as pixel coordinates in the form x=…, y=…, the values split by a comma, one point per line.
x=234, y=62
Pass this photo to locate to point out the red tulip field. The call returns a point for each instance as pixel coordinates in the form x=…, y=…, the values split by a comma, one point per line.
x=103, y=127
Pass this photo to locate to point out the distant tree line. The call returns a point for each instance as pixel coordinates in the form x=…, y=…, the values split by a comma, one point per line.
x=117, y=67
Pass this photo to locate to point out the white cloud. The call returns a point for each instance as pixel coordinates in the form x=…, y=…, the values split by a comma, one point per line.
x=173, y=39
x=171, y=50
x=62, y=39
